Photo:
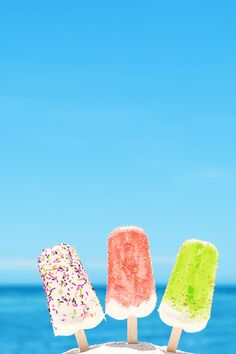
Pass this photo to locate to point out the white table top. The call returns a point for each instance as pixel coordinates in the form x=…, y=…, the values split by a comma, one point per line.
x=124, y=348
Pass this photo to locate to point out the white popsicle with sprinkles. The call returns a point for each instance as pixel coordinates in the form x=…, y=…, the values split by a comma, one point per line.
x=72, y=301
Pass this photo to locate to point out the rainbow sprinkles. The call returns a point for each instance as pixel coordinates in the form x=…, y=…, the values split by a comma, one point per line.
x=72, y=301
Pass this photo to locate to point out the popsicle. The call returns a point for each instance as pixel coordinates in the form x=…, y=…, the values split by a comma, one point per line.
x=187, y=301
x=131, y=291
x=72, y=301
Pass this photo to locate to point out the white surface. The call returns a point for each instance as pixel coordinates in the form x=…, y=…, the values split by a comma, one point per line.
x=173, y=318
x=124, y=348
x=119, y=312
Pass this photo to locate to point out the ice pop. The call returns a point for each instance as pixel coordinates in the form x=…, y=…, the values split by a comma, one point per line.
x=131, y=289
x=72, y=302
x=187, y=302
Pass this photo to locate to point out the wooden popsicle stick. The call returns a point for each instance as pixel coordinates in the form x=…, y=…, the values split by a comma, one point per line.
x=174, y=339
x=82, y=340
x=132, y=329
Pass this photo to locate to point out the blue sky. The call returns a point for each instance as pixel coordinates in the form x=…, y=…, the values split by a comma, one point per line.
x=116, y=113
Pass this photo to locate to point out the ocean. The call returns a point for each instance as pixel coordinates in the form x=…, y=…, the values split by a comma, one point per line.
x=25, y=327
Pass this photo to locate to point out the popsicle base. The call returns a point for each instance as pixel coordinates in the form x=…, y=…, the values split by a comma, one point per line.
x=125, y=348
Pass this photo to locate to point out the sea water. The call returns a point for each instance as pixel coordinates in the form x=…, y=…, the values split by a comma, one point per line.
x=25, y=326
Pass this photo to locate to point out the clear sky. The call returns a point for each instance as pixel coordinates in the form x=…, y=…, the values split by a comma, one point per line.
x=116, y=113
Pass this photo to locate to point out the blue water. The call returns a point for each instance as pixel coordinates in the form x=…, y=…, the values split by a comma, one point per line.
x=25, y=326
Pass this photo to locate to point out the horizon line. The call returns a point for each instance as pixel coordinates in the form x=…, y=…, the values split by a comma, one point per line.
x=102, y=285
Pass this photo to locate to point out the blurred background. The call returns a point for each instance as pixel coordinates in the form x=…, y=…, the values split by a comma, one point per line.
x=115, y=113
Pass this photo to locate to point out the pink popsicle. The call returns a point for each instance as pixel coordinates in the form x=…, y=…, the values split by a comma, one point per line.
x=131, y=288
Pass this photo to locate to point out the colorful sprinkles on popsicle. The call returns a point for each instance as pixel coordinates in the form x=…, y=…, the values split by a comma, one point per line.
x=70, y=295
